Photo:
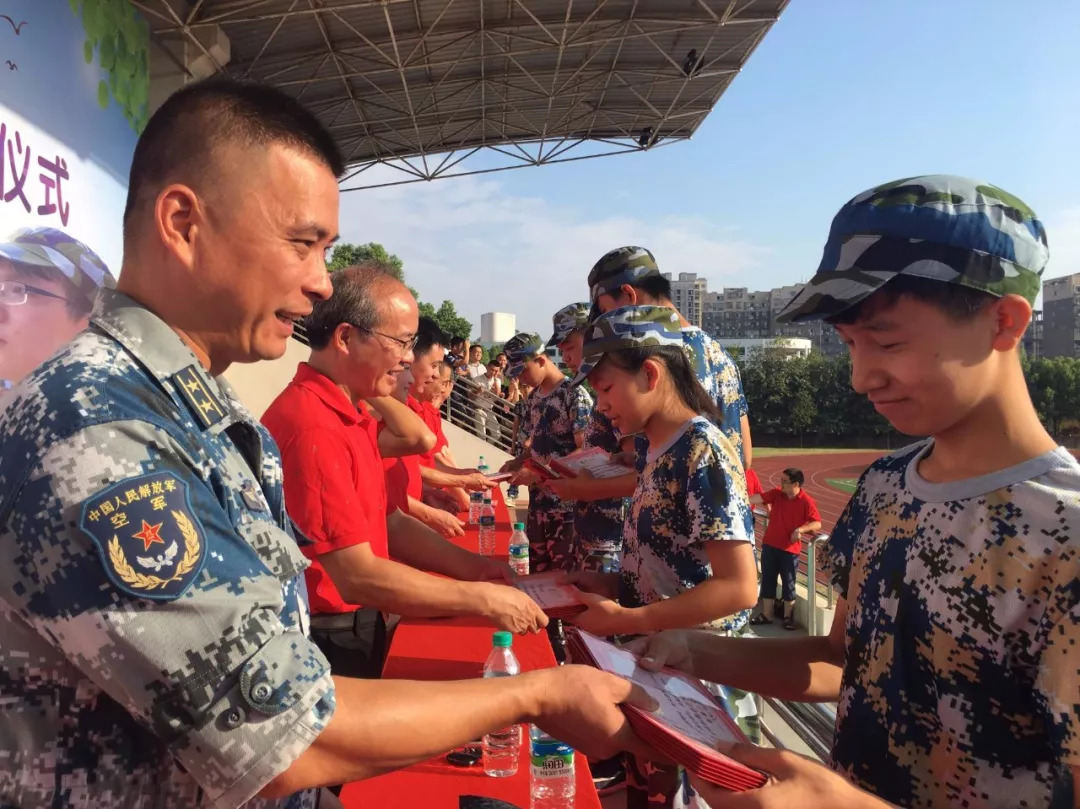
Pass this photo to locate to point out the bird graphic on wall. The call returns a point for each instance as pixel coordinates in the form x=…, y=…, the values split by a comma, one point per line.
x=17, y=28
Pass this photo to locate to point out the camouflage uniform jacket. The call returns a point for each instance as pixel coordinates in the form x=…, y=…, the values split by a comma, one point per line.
x=153, y=617
x=691, y=492
x=962, y=641
x=598, y=524
x=552, y=420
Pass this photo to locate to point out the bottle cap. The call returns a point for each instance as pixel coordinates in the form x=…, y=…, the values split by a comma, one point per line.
x=519, y=526
x=487, y=498
x=502, y=640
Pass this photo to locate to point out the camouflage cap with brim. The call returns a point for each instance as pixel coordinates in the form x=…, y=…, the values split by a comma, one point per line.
x=52, y=248
x=519, y=349
x=628, y=327
x=940, y=227
x=568, y=320
x=624, y=265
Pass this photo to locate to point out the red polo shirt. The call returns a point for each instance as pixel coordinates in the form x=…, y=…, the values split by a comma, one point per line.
x=433, y=419
x=787, y=514
x=402, y=479
x=335, y=490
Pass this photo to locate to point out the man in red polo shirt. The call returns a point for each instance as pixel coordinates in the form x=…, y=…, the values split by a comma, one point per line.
x=335, y=490
x=792, y=515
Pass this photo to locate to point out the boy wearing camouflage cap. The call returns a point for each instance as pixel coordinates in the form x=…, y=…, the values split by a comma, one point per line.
x=598, y=520
x=629, y=276
x=555, y=421
x=955, y=650
x=48, y=283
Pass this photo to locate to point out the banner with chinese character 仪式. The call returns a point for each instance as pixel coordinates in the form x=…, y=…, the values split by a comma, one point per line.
x=74, y=78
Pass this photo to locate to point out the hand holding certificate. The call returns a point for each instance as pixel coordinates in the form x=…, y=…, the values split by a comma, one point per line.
x=556, y=598
x=689, y=724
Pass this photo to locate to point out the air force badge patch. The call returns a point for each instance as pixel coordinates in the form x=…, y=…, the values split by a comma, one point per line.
x=150, y=542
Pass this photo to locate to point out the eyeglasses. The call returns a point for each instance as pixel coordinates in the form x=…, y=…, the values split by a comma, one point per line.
x=404, y=346
x=14, y=293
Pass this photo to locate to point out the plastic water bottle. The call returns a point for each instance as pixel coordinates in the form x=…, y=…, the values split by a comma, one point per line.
x=519, y=550
x=476, y=504
x=481, y=466
x=501, y=748
x=487, y=527
x=511, y=494
x=551, y=771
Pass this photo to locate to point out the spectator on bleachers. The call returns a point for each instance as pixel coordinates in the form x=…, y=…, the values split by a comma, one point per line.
x=458, y=356
x=487, y=394
x=476, y=366
x=793, y=514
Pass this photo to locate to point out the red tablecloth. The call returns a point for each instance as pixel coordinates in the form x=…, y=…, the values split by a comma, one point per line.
x=454, y=649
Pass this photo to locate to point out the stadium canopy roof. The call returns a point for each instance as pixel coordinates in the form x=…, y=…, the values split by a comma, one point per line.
x=438, y=88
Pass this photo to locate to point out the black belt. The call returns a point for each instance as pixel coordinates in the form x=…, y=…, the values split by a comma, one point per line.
x=331, y=621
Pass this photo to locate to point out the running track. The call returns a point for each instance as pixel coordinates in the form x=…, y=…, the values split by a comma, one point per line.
x=818, y=467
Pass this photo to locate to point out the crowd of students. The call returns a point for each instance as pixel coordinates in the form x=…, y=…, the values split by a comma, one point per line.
x=245, y=668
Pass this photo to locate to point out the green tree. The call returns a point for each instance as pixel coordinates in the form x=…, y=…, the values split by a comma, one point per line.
x=346, y=255
x=451, y=322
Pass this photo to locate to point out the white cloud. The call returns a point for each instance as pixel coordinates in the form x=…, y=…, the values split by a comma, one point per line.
x=471, y=241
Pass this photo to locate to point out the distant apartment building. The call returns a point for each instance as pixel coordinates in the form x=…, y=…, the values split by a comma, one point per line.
x=736, y=313
x=1061, y=317
x=688, y=294
x=1033, y=337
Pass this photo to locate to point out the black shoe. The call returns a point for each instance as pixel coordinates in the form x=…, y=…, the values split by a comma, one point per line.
x=608, y=776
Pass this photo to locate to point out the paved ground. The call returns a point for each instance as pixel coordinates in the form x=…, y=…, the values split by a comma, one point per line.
x=819, y=469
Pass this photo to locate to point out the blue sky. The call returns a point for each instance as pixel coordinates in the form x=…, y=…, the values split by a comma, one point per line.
x=841, y=95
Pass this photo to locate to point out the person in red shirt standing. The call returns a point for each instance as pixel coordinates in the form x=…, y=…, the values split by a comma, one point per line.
x=368, y=557
x=792, y=514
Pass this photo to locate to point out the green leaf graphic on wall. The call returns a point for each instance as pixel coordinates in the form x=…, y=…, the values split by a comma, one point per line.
x=121, y=40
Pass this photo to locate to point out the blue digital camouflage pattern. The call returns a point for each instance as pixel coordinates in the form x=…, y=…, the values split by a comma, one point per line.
x=623, y=265
x=567, y=320
x=962, y=641
x=945, y=228
x=519, y=349
x=116, y=490
x=552, y=420
x=598, y=524
x=690, y=493
x=49, y=247
x=624, y=328
x=719, y=375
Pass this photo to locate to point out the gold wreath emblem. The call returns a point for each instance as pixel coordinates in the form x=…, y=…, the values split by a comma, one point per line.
x=140, y=581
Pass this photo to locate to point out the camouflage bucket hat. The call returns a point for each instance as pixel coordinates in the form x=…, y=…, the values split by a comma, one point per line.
x=940, y=227
x=628, y=327
x=519, y=349
x=626, y=265
x=49, y=247
x=567, y=320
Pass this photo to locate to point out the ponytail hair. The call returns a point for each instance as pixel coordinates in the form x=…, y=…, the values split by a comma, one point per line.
x=686, y=383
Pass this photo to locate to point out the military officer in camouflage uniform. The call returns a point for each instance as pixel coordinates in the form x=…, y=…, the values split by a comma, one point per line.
x=153, y=617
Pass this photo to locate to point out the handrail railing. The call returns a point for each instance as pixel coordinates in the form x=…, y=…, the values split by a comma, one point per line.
x=481, y=413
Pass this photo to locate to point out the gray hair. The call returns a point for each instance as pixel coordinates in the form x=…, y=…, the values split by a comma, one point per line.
x=352, y=302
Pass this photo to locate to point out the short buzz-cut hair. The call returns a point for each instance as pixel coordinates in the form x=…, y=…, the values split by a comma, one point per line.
x=199, y=118
x=795, y=475
x=428, y=336
x=353, y=301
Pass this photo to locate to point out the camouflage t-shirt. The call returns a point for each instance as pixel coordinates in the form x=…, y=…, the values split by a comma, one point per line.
x=691, y=492
x=962, y=644
x=598, y=524
x=719, y=376
x=552, y=420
